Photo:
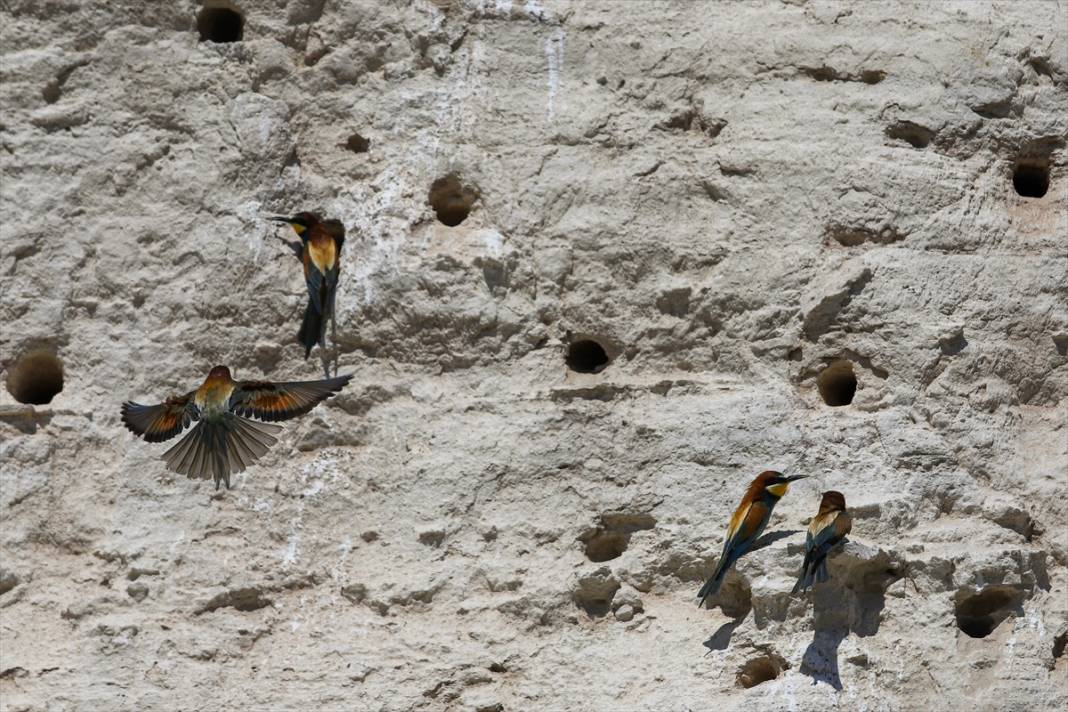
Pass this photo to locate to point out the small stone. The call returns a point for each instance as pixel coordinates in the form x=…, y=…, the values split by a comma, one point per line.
x=624, y=613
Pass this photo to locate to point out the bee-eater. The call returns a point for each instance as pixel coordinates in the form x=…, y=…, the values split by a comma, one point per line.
x=825, y=531
x=224, y=441
x=320, y=252
x=747, y=523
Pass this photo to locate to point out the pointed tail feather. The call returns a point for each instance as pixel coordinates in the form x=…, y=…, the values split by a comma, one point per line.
x=714, y=581
x=804, y=581
x=311, y=329
x=821, y=571
x=218, y=449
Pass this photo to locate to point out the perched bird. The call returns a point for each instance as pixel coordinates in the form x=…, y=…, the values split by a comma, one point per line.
x=747, y=523
x=224, y=441
x=826, y=530
x=319, y=250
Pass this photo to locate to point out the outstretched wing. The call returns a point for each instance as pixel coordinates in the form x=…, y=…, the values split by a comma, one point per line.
x=281, y=401
x=156, y=423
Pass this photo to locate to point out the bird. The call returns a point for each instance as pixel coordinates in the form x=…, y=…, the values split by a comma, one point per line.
x=747, y=523
x=829, y=527
x=225, y=440
x=319, y=250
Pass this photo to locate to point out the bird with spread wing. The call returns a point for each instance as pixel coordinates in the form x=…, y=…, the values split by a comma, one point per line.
x=226, y=439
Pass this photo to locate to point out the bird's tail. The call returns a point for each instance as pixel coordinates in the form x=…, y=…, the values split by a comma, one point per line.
x=811, y=572
x=311, y=329
x=714, y=581
x=804, y=581
x=219, y=448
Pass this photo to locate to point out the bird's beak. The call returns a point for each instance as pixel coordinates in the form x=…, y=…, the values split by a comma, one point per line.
x=791, y=478
x=280, y=219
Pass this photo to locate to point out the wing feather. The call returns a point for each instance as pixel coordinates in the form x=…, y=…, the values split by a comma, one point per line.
x=156, y=423
x=281, y=401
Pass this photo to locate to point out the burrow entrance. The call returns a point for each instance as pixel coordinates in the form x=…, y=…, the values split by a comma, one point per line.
x=611, y=539
x=451, y=199
x=1030, y=178
x=587, y=356
x=220, y=24
x=760, y=670
x=978, y=614
x=35, y=378
x=837, y=383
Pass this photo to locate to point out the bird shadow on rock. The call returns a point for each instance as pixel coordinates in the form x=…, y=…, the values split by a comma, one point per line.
x=769, y=539
x=852, y=601
x=735, y=599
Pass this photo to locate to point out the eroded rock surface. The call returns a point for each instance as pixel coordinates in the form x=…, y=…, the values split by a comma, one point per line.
x=749, y=210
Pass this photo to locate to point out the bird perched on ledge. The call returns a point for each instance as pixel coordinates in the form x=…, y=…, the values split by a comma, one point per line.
x=829, y=527
x=748, y=523
x=319, y=250
x=224, y=441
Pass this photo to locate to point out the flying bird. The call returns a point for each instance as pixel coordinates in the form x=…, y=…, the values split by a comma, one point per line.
x=829, y=527
x=224, y=440
x=319, y=250
x=747, y=523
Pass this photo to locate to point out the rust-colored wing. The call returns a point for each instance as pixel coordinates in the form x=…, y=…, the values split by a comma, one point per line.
x=156, y=423
x=281, y=401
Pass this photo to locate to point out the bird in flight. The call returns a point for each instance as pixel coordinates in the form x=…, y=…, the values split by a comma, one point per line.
x=825, y=531
x=319, y=250
x=748, y=523
x=225, y=439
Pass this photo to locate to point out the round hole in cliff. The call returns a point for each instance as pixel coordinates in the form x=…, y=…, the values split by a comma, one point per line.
x=758, y=671
x=979, y=614
x=837, y=384
x=220, y=24
x=1031, y=178
x=35, y=378
x=358, y=144
x=606, y=545
x=451, y=200
x=586, y=356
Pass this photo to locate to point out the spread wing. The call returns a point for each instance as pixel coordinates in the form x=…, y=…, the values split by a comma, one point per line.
x=281, y=401
x=156, y=423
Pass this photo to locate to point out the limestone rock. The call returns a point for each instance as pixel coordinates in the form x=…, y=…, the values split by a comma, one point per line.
x=811, y=236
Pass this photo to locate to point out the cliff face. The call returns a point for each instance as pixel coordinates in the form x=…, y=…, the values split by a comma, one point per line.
x=606, y=262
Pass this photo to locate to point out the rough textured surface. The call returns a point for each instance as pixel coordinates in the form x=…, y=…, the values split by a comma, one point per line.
x=728, y=198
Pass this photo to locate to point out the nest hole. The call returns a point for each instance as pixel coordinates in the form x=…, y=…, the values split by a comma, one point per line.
x=1031, y=178
x=913, y=134
x=610, y=540
x=358, y=144
x=979, y=614
x=606, y=546
x=35, y=378
x=452, y=200
x=220, y=24
x=594, y=595
x=586, y=356
x=760, y=670
x=837, y=384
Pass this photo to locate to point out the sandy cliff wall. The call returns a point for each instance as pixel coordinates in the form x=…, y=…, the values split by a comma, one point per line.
x=753, y=210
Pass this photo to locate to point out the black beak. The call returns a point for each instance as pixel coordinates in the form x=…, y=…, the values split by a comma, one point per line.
x=280, y=219
x=791, y=478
